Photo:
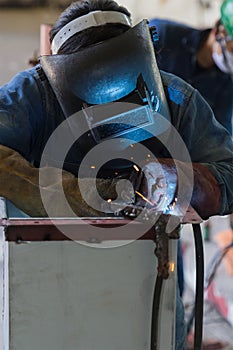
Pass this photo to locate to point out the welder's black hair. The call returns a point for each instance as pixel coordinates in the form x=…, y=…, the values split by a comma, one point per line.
x=90, y=35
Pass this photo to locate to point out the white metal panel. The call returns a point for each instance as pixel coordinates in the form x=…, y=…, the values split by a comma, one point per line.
x=66, y=296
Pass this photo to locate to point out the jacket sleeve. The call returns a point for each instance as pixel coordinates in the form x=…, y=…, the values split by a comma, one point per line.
x=20, y=113
x=210, y=145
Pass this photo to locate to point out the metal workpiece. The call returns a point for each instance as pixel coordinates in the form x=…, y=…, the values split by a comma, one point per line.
x=51, y=267
x=162, y=224
x=162, y=247
x=3, y=211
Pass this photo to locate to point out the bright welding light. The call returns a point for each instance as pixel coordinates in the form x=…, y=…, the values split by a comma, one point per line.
x=172, y=206
x=136, y=168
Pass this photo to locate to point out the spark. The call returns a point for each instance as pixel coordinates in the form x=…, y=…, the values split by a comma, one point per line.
x=135, y=167
x=143, y=197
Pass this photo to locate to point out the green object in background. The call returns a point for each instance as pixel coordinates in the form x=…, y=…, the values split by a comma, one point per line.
x=206, y=231
x=227, y=15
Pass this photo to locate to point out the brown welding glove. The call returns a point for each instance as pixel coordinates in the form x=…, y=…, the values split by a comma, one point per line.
x=19, y=182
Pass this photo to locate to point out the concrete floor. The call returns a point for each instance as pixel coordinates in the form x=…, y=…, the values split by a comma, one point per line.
x=19, y=40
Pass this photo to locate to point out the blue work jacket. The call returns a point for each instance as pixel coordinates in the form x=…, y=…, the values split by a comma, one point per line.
x=30, y=112
x=176, y=53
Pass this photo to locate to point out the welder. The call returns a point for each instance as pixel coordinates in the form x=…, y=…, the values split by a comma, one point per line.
x=102, y=83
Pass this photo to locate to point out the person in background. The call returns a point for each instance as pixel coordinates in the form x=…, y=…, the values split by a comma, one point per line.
x=32, y=107
x=202, y=57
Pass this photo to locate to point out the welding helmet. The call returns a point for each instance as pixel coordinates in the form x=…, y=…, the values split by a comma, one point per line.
x=227, y=16
x=117, y=85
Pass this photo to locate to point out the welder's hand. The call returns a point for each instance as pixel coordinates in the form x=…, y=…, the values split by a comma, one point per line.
x=154, y=187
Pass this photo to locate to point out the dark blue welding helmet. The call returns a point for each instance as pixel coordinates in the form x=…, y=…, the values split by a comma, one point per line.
x=116, y=84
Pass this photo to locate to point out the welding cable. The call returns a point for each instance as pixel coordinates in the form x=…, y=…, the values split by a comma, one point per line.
x=155, y=313
x=198, y=313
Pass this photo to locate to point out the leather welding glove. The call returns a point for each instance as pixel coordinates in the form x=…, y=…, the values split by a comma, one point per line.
x=19, y=182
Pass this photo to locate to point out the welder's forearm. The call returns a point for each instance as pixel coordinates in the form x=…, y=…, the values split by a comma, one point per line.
x=206, y=193
x=19, y=182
